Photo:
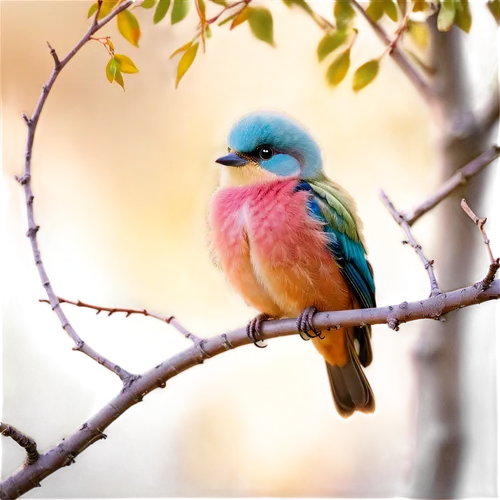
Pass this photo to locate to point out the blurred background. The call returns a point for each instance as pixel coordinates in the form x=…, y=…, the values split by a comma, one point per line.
x=122, y=181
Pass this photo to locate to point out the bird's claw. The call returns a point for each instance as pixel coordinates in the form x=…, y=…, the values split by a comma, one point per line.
x=253, y=330
x=305, y=326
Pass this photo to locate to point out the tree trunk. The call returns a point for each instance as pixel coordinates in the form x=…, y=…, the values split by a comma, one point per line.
x=440, y=448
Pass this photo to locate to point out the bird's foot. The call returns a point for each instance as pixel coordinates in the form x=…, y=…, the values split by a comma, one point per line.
x=305, y=326
x=253, y=330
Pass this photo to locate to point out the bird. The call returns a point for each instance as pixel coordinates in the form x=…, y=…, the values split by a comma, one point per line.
x=289, y=240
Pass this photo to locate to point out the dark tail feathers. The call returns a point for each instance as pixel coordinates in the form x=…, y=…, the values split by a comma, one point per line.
x=350, y=388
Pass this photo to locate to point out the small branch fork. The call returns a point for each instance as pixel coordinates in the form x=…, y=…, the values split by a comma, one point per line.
x=494, y=263
x=428, y=264
x=25, y=181
x=399, y=57
x=22, y=440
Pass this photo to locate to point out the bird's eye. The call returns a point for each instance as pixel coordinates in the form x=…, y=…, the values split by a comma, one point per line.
x=265, y=153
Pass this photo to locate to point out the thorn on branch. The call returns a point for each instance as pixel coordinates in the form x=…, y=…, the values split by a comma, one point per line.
x=53, y=53
x=23, y=179
x=26, y=119
x=32, y=231
x=78, y=345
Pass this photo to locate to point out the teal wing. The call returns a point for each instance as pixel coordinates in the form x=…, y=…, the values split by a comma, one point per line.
x=329, y=204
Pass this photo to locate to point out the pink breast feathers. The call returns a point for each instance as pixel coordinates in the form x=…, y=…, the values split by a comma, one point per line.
x=272, y=251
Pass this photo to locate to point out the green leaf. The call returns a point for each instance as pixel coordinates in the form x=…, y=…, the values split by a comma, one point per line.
x=106, y=8
x=391, y=10
x=185, y=62
x=261, y=24
x=420, y=6
x=365, y=74
x=111, y=68
x=240, y=18
x=161, y=10
x=220, y=2
x=344, y=14
x=375, y=10
x=92, y=10
x=179, y=10
x=300, y=3
x=419, y=33
x=446, y=16
x=463, y=19
x=148, y=4
x=403, y=6
x=119, y=79
x=181, y=49
x=125, y=64
x=128, y=26
x=337, y=71
x=330, y=42
x=208, y=31
x=494, y=7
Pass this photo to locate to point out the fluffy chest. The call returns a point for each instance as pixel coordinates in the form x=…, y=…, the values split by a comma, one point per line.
x=268, y=220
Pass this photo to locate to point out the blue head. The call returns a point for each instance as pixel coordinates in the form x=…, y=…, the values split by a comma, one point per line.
x=275, y=143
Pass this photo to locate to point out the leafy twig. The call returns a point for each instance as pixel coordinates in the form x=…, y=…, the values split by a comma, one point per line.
x=25, y=181
x=399, y=57
x=458, y=179
x=225, y=9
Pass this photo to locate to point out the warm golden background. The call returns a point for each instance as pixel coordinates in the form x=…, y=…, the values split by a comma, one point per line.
x=122, y=181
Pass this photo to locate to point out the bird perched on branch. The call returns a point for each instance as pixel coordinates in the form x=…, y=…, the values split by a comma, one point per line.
x=290, y=242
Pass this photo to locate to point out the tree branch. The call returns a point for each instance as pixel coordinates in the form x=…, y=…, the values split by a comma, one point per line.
x=460, y=178
x=22, y=440
x=64, y=453
x=400, y=58
x=494, y=263
x=170, y=320
x=25, y=181
x=428, y=264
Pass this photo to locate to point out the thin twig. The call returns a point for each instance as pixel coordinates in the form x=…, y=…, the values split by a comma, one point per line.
x=226, y=8
x=428, y=264
x=494, y=263
x=54, y=55
x=460, y=178
x=92, y=430
x=25, y=181
x=399, y=57
x=129, y=311
x=22, y=440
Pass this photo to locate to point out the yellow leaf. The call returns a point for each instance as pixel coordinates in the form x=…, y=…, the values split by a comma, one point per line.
x=128, y=26
x=185, y=62
x=92, y=9
x=125, y=64
x=106, y=8
x=111, y=70
x=119, y=79
x=240, y=18
x=181, y=49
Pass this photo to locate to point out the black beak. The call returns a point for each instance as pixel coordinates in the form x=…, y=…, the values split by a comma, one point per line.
x=232, y=160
